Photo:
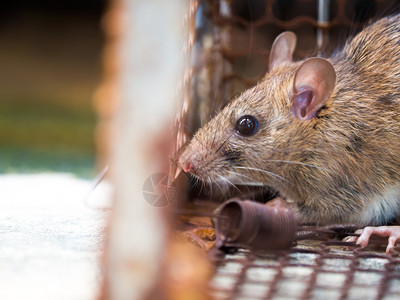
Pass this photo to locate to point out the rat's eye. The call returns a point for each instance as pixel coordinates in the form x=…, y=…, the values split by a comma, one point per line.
x=246, y=125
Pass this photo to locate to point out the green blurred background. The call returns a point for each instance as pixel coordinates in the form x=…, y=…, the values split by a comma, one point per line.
x=50, y=67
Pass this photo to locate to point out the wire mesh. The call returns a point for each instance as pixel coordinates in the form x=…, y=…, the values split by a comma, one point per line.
x=319, y=267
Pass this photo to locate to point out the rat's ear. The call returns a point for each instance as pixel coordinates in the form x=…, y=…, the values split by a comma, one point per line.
x=313, y=84
x=282, y=49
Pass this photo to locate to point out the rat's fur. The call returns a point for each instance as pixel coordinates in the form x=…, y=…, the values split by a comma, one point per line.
x=342, y=165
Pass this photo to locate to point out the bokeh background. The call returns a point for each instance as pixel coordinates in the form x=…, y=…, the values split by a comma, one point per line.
x=50, y=67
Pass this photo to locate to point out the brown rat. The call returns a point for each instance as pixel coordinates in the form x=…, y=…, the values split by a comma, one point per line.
x=325, y=133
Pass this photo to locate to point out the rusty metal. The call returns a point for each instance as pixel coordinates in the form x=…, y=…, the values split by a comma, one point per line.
x=254, y=225
x=320, y=267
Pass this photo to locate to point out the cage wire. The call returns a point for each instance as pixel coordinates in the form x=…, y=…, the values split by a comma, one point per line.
x=228, y=45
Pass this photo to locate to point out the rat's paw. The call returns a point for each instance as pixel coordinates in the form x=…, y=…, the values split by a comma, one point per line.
x=393, y=232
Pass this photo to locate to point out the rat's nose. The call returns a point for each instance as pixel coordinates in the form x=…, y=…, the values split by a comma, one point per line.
x=186, y=166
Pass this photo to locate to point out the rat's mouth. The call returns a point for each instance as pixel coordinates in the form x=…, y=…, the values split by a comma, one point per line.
x=220, y=190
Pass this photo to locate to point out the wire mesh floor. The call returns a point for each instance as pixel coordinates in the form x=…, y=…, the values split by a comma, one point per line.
x=318, y=268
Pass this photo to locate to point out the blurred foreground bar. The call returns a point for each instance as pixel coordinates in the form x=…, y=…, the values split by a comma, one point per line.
x=137, y=103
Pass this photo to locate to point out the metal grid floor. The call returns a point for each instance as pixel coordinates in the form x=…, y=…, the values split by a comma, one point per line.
x=318, y=268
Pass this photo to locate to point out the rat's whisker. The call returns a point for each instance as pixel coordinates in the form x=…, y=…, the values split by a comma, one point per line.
x=228, y=182
x=294, y=162
x=217, y=183
x=202, y=185
x=223, y=143
x=244, y=176
x=210, y=185
x=290, y=150
x=266, y=172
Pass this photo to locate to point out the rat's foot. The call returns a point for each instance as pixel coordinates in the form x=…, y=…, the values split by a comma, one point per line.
x=393, y=232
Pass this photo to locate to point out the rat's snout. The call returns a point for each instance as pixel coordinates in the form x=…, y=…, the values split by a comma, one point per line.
x=190, y=160
x=186, y=165
x=202, y=160
x=186, y=161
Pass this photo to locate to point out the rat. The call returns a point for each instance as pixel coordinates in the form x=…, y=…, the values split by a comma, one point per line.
x=323, y=132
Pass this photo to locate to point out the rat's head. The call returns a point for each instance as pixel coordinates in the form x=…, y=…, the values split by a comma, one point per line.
x=266, y=124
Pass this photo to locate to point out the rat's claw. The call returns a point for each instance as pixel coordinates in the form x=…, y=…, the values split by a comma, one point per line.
x=350, y=239
x=393, y=232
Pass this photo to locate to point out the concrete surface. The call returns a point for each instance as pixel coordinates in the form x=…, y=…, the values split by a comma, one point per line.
x=51, y=236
